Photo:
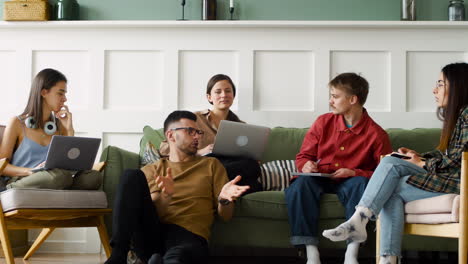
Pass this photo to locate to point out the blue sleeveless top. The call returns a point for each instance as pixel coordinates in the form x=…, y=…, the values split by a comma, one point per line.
x=29, y=153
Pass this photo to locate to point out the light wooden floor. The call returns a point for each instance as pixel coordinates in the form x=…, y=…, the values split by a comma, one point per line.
x=49, y=258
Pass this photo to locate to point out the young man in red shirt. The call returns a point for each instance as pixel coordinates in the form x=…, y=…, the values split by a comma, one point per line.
x=345, y=143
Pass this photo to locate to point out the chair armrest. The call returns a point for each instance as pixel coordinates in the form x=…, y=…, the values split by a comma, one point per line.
x=3, y=163
x=99, y=166
x=463, y=196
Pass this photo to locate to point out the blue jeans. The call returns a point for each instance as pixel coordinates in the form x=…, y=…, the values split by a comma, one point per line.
x=303, y=202
x=386, y=193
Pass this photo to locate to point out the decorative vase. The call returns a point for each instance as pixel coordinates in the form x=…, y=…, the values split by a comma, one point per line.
x=456, y=10
x=408, y=10
x=209, y=9
x=67, y=10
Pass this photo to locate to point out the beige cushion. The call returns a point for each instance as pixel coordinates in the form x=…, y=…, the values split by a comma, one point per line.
x=51, y=199
x=440, y=209
x=430, y=218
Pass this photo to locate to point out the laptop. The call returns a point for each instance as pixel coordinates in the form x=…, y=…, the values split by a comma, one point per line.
x=235, y=139
x=71, y=153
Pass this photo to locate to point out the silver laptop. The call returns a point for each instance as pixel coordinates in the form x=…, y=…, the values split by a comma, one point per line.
x=237, y=139
x=71, y=153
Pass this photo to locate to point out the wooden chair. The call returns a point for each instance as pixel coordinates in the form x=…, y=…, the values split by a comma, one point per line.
x=452, y=230
x=49, y=220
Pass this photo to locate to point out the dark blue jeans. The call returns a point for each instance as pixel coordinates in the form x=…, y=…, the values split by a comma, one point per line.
x=303, y=202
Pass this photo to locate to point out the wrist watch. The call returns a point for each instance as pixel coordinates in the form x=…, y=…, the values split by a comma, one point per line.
x=223, y=201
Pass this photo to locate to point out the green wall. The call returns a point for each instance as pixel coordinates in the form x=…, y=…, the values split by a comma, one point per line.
x=259, y=9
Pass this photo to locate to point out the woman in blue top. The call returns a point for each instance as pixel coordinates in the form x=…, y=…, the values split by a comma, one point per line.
x=27, y=138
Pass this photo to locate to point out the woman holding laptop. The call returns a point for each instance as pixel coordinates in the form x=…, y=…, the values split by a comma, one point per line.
x=398, y=181
x=220, y=92
x=27, y=138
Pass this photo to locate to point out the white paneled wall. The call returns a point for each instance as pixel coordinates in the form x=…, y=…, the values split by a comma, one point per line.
x=134, y=80
x=376, y=70
x=75, y=66
x=292, y=90
x=127, y=74
x=422, y=67
x=192, y=81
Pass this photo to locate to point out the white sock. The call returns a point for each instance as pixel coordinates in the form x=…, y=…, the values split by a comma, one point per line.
x=354, y=229
x=351, y=255
x=313, y=256
x=388, y=260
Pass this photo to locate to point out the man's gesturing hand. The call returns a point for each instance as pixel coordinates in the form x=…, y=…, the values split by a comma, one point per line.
x=166, y=183
x=231, y=190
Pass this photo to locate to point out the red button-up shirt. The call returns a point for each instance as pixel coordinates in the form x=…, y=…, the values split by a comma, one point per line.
x=357, y=148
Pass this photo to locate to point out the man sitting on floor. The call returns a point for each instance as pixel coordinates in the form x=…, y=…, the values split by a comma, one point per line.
x=166, y=209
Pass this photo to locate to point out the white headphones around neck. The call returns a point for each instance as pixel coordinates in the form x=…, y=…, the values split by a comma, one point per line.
x=50, y=127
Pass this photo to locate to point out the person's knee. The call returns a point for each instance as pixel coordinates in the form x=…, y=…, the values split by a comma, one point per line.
x=303, y=187
x=359, y=181
x=59, y=179
x=304, y=182
x=389, y=161
x=87, y=180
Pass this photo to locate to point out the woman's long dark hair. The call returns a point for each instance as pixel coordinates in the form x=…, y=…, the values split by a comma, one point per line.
x=45, y=79
x=456, y=76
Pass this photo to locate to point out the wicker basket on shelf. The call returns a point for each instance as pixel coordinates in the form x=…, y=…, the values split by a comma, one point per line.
x=26, y=10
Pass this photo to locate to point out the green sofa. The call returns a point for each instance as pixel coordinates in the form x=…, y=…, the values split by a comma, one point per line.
x=260, y=219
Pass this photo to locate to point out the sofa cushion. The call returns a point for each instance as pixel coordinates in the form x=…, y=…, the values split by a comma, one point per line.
x=419, y=139
x=150, y=155
x=434, y=205
x=272, y=205
x=435, y=210
x=284, y=143
x=153, y=136
x=26, y=198
x=430, y=219
x=275, y=175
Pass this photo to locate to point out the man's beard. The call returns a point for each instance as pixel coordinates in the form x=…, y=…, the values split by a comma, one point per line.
x=188, y=150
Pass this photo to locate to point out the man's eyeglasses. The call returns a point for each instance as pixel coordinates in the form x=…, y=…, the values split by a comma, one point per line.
x=190, y=130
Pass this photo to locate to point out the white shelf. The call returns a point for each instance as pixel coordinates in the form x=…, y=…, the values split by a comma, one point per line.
x=236, y=24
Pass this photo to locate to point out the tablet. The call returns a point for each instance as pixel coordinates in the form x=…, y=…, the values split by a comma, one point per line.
x=402, y=156
x=399, y=155
x=315, y=174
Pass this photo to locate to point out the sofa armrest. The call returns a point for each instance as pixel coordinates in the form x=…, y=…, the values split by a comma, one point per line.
x=117, y=160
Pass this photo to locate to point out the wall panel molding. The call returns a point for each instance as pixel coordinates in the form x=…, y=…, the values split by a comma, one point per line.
x=124, y=75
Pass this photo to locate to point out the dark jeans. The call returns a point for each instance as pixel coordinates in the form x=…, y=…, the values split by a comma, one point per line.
x=249, y=169
x=135, y=219
x=303, y=202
